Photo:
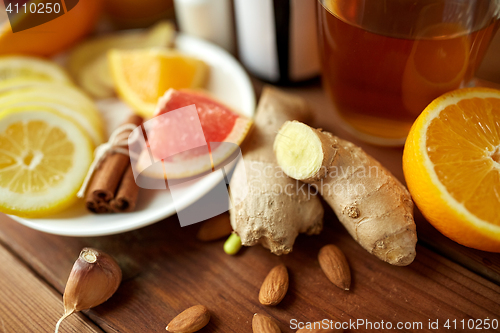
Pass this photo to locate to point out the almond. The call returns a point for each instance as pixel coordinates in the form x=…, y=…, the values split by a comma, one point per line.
x=264, y=324
x=334, y=264
x=190, y=320
x=217, y=227
x=316, y=327
x=275, y=286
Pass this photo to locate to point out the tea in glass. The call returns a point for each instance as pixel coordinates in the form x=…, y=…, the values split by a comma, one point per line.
x=384, y=61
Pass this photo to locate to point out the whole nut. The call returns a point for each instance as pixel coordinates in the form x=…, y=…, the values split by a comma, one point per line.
x=275, y=286
x=190, y=320
x=264, y=324
x=334, y=264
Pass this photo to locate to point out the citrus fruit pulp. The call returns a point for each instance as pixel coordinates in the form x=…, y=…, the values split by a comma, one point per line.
x=451, y=163
x=142, y=76
x=218, y=122
x=43, y=160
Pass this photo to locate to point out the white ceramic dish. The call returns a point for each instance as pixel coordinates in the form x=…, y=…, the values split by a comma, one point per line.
x=230, y=84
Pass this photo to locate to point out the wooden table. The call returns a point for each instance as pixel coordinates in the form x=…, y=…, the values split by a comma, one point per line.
x=167, y=270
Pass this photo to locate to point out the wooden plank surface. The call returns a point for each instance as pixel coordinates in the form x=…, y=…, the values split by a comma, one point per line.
x=27, y=304
x=167, y=270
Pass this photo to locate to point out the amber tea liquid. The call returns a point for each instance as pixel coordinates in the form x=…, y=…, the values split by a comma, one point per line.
x=381, y=73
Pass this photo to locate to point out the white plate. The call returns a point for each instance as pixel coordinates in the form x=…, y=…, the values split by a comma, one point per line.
x=230, y=84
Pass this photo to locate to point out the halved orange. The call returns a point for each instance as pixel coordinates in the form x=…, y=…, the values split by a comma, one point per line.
x=451, y=163
x=52, y=37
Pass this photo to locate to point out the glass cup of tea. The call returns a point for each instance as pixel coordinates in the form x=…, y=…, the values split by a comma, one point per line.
x=384, y=61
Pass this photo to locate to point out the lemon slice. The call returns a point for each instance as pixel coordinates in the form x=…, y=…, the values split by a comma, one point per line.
x=44, y=158
x=15, y=83
x=56, y=90
x=96, y=78
x=142, y=76
x=42, y=104
x=31, y=68
x=18, y=91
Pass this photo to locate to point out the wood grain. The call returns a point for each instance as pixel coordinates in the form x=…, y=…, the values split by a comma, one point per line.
x=167, y=270
x=27, y=304
x=483, y=263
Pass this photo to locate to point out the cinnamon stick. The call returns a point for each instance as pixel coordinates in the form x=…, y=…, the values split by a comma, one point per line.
x=103, y=208
x=107, y=177
x=99, y=207
x=126, y=195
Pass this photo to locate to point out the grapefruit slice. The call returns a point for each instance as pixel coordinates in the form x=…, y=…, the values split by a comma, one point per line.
x=184, y=149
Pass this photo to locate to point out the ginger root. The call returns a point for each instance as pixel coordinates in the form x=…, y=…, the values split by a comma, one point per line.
x=374, y=207
x=276, y=208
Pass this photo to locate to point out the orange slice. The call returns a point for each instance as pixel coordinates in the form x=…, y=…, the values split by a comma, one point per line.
x=142, y=76
x=451, y=163
x=88, y=62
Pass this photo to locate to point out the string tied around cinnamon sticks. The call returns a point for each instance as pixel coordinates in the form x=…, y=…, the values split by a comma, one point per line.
x=110, y=180
x=115, y=144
